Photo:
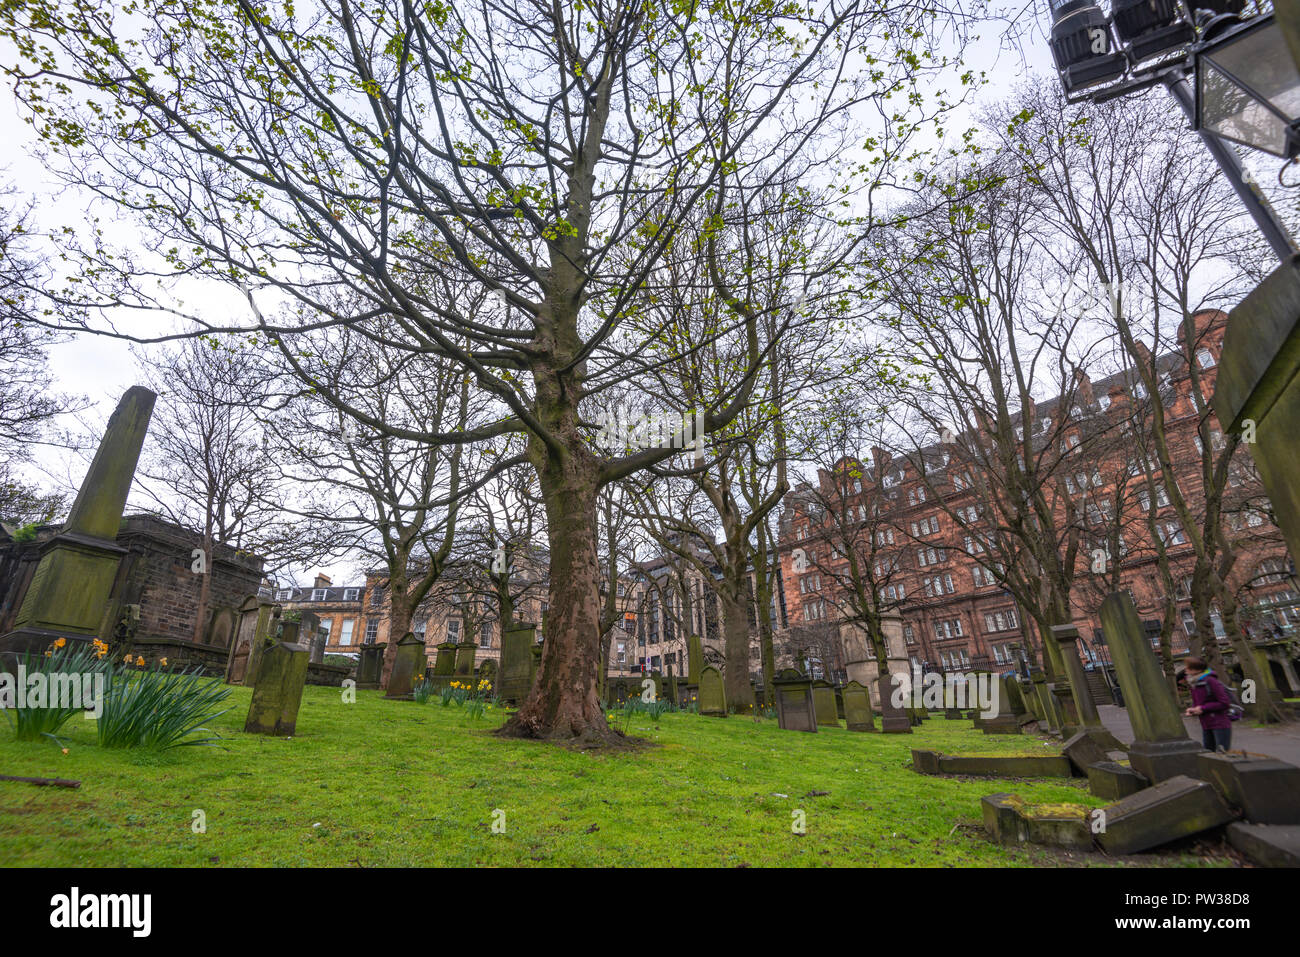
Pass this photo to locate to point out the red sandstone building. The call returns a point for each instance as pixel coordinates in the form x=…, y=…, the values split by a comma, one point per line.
x=956, y=612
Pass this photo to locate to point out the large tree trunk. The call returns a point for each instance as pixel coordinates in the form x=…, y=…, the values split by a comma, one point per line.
x=564, y=703
x=400, y=613
x=735, y=633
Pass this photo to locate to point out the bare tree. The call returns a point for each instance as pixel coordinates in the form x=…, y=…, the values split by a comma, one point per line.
x=1148, y=218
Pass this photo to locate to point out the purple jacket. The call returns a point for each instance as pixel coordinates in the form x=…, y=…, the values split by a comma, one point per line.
x=1209, y=693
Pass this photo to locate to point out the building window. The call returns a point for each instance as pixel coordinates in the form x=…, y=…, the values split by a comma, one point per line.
x=453, y=629
x=420, y=627
x=351, y=594
x=372, y=631
x=949, y=628
x=1004, y=620
x=1171, y=533
x=318, y=594
x=485, y=635
x=376, y=597
x=284, y=594
x=345, y=633
x=1205, y=358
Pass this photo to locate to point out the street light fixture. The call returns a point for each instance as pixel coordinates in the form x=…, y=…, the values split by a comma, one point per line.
x=1248, y=89
x=1151, y=28
x=1082, y=45
x=1247, y=86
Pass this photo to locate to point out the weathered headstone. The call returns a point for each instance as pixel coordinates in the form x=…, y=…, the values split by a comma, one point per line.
x=1009, y=709
x=713, y=696
x=694, y=659
x=1047, y=706
x=408, y=667
x=1267, y=790
x=516, y=663
x=1113, y=781
x=68, y=596
x=277, y=694
x=465, y=653
x=824, y=703
x=444, y=663
x=371, y=666
x=857, y=708
x=1176, y=807
x=258, y=621
x=795, y=710
x=1161, y=748
x=893, y=717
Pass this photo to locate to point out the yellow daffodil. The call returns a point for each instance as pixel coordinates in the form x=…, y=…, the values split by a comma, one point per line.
x=60, y=642
x=163, y=662
x=49, y=654
x=139, y=660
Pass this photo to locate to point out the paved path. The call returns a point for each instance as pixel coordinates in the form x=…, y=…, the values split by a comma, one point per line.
x=1282, y=743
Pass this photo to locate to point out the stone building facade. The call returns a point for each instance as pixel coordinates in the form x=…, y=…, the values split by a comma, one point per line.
x=956, y=612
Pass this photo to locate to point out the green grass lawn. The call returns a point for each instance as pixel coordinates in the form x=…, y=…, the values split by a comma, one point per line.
x=380, y=783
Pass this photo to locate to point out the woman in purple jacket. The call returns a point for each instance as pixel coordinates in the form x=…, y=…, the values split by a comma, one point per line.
x=1210, y=703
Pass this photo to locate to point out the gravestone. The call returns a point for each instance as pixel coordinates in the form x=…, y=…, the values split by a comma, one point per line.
x=795, y=710
x=1113, y=781
x=408, y=666
x=1265, y=789
x=444, y=663
x=516, y=663
x=277, y=694
x=258, y=620
x=465, y=653
x=824, y=704
x=1177, y=807
x=670, y=688
x=220, y=632
x=894, y=718
x=1047, y=706
x=1067, y=639
x=713, y=695
x=1161, y=748
x=68, y=596
x=370, y=668
x=857, y=707
x=1009, y=710
x=694, y=659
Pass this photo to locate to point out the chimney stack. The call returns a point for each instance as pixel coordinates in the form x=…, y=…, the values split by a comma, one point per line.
x=322, y=581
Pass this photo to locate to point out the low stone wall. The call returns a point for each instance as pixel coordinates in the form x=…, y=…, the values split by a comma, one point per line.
x=330, y=676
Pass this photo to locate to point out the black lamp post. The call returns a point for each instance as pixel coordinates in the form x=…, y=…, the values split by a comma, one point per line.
x=1247, y=85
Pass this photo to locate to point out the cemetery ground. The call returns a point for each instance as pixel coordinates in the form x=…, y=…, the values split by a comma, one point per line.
x=383, y=783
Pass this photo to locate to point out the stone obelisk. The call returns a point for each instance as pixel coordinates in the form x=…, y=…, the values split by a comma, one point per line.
x=69, y=591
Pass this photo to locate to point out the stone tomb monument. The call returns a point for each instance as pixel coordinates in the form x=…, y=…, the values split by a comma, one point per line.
x=277, y=693
x=69, y=592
